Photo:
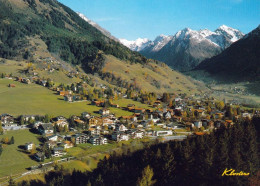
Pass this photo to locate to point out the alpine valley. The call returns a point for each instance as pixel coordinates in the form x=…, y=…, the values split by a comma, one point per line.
x=80, y=107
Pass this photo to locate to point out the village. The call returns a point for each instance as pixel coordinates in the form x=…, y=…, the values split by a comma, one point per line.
x=180, y=118
x=160, y=117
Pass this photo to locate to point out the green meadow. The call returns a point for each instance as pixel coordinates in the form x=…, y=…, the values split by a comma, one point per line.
x=12, y=160
x=34, y=99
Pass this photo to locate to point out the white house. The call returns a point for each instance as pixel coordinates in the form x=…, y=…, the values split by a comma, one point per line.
x=58, y=152
x=29, y=146
x=198, y=124
x=138, y=134
x=67, y=144
x=104, y=111
x=120, y=136
x=85, y=115
x=98, y=140
x=46, y=128
x=167, y=115
x=53, y=138
x=121, y=128
x=62, y=123
x=93, y=131
x=246, y=115
x=163, y=133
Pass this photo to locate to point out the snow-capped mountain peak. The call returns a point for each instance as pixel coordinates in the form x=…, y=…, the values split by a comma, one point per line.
x=160, y=38
x=137, y=44
x=160, y=42
x=230, y=33
x=206, y=32
x=140, y=44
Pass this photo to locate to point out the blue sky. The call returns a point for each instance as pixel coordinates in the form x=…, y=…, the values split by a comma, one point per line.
x=131, y=19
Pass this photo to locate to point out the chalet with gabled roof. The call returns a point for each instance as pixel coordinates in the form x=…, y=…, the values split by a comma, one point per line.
x=58, y=152
x=46, y=128
x=104, y=111
x=98, y=103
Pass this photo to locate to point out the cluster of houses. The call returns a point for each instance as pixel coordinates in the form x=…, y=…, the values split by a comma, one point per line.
x=99, y=130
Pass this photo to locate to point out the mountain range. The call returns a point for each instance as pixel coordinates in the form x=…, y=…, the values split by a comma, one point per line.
x=239, y=62
x=187, y=48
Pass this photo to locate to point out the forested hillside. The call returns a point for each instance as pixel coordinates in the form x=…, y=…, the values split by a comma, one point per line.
x=64, y=32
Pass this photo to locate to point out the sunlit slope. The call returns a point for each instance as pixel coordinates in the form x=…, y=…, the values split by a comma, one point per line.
x=152, y=77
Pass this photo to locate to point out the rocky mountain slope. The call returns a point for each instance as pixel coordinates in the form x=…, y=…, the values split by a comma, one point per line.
x=94, y=24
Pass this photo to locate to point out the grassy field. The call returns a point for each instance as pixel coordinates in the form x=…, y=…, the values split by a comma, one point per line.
x=88, y=149
x=16, y=69
x=58, y=77
x=12, y=67
x=35, y=99
x=35, y=177
x=169, y=80
x=12, y=161
x=245, y=98
x=76, y=165
x=90, y=155
x=125, y=102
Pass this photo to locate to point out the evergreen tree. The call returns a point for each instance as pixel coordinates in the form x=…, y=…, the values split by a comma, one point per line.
x=89, y=183
x=99, y=181
x=12, y=140
x=147, y=177
x=31, y=121
x=229, y=113
x=47, y=118
x=21, y=120
x=185, y=174
x=250, y=149
x=166, y=97
x=221, y=161
x=168, y=166
x=200, y=158
x=1, y=149
x=47, y=150
x=1, y=128
x=11, y=182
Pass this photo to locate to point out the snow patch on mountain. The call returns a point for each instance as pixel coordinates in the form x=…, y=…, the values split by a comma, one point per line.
x=160, y=42
x=136, y=45
x=86, y=19
x=231, y=33
x=104, y=31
